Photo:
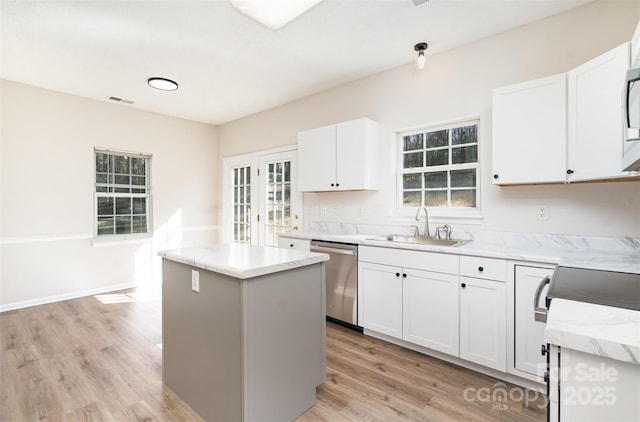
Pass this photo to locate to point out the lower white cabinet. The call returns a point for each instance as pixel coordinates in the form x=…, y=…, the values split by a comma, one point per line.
x=380, y=298
x=586, y=387
x=483, y=322
x=460, y=316
x=430, y=310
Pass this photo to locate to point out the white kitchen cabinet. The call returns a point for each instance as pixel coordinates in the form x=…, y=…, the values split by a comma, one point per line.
x=593, y=388
x=528, y=333
x=344, y=156
x=483, y=324
x=530, y=132
x=388, y=278
x=294, y=243
x=380, y=298
x=430, y=310
x=483, y=311
x=595, y=131
x=562, y=128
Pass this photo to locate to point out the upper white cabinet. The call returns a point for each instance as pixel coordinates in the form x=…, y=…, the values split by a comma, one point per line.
x=344, y=156
x=562, y=128
x=529, y=132
x=595, y=118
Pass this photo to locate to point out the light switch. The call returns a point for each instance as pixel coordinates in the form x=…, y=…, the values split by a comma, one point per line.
x=195, y=281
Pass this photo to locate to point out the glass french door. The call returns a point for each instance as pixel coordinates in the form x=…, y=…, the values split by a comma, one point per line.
x=241, y=179
x=279, y=197
x=263, y=197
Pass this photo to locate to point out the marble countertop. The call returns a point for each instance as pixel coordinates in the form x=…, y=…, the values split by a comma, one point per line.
x=609, y=254
x=599, y=330
x=242, y=260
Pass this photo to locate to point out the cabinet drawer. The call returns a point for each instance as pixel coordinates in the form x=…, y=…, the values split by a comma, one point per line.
x=487, y=268
x=291, y=243
x=419, y=260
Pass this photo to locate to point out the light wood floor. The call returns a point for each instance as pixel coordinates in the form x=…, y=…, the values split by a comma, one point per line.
x=99, y=358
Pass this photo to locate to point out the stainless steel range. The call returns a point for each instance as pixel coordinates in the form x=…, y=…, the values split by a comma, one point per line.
x=608, y=288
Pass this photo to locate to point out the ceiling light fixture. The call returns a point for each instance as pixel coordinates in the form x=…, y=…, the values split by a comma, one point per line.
x=162, y=84
x=420, y=48
x=273, y=14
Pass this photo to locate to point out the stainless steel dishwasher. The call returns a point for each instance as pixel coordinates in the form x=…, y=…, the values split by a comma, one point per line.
x=341, y=281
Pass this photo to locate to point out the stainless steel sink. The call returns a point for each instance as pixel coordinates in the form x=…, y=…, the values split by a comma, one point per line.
x=420, y=240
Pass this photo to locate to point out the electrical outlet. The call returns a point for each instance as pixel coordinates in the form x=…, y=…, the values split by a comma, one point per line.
x=195, y=281
x=325, y=210
x=542, y=212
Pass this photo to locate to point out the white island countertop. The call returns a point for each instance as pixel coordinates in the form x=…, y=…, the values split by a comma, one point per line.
x=241, y=260
x=596, y=329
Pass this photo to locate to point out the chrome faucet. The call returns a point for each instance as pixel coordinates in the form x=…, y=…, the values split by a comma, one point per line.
x=426, y=219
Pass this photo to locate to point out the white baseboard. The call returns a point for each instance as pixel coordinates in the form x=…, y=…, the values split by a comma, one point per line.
x=65, y=296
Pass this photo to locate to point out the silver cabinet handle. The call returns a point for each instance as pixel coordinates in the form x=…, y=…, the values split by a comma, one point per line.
x=540, y=312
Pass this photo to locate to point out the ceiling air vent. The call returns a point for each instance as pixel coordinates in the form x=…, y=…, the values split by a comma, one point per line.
x=418, y=2
x=120, y=100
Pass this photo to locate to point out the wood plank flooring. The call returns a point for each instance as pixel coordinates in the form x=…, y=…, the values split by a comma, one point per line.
x=99, y=358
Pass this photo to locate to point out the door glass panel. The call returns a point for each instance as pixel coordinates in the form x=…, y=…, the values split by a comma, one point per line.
x=242, y=204
x=278, y=200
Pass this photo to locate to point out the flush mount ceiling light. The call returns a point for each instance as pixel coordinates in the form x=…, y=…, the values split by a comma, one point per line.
x=273, y=14
x=162, y=84
x=420, y=48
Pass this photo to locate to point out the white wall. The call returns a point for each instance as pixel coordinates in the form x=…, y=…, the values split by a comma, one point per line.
x=47, y=203
x=458, y=84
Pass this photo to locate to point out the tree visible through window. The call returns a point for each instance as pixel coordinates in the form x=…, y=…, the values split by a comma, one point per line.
x=439, y=166
x=123, y=193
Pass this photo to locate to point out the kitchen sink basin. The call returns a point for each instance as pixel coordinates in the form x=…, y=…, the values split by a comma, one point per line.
x=420, y=240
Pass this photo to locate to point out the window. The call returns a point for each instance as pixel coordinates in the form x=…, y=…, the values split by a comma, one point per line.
x=439, y=166
x=123, y=193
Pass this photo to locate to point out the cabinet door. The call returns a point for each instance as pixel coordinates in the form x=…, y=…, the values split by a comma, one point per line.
x=380, y=298
x=529, y=333
x=529, y=132
x=597, y=389
x=430, y=311
x=317, y=159
x=357, y=155
x=595, y=130
x=483, y=322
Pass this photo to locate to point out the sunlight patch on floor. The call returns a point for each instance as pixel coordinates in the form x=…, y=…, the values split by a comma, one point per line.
x=111, y=298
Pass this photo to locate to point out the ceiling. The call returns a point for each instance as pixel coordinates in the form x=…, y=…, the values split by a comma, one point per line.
x=229, y=66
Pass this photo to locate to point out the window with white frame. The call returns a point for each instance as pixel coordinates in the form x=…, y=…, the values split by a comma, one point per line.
x=438, y=166
x=122, y=194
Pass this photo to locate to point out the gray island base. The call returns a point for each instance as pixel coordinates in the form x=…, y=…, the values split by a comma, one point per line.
x=250, y=344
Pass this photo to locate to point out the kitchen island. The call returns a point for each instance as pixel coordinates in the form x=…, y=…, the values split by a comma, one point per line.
x=243, y=330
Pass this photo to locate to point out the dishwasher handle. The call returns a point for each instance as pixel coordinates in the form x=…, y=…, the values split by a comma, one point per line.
x=333, y=250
